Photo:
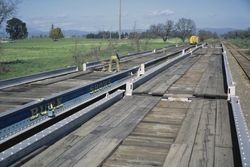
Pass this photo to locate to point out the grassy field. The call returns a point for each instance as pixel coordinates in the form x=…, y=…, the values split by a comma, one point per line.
x=241, y=43
x=25, y=57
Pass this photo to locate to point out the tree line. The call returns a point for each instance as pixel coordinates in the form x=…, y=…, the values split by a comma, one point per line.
x=183, y=28
x=243, y=34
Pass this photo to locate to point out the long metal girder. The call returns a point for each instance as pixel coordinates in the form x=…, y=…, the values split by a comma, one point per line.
x=238, y=115
x=56, y=131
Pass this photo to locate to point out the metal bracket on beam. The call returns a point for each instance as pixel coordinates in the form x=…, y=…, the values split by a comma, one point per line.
x=129, y=88
x=84, y=67
x=230, y=91
x=141, y=70
x=183, y=51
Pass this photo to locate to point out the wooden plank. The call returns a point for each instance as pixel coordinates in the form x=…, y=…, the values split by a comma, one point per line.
x=168, y=117
x=100, y=137
x=175, y=155
x=187, y=133
x=87, y=137
x=203, y=150
x=116, y=135
x=98, y=154
x=120, y=163
x=211, y=83
x=146, y=87
x=223, y=130
x=140, y=155
x=223, y=157
x=173, y=104
x=162, y=110
x=162, y=87
x=158, y=84
x=140, y=105
x=154, y=129
x=148, y=141
x=121, y=108
x=187, y=83
x=212, y=77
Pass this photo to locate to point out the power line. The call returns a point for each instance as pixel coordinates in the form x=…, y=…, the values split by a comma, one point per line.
x=120, y=20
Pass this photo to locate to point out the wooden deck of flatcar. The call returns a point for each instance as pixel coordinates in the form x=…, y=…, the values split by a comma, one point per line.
x=186, y=124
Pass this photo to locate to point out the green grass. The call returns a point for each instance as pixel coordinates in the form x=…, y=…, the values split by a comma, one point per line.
x=241, y=43
x=25, y=57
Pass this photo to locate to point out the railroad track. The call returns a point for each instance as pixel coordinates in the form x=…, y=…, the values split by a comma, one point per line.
x=242, y=58
x=178, y=115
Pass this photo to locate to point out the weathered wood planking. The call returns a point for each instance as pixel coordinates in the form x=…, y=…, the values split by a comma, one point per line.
x=212, y=83
x=159, y=84
x=204, y=138
x=101, y=135
x=186, y=137
x=223, y=141
x=150, y=141
x=203, y=149
x=223, y=130
x=223, y=157
x=187, y=83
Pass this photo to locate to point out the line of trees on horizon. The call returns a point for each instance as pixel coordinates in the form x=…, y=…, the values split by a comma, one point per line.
x=242, y=34
x=183, y=29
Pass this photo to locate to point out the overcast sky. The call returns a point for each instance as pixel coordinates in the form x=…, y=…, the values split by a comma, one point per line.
x=94, y=15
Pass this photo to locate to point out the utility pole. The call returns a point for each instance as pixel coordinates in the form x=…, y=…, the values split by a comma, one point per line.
x=120, y=20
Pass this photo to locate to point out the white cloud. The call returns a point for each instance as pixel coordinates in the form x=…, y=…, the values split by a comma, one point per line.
x=166, y=12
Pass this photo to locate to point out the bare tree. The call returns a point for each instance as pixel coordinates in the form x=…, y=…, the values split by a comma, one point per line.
x=162, y=30
x=135, y=39
x=7, y=9
x=185, y=28
x=204, y=35
x=169, y=26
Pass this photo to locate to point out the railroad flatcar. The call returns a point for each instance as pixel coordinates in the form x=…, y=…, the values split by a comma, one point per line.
x=193, y=40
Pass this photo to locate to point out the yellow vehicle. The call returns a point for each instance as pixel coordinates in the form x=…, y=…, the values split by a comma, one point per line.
x=193, y=40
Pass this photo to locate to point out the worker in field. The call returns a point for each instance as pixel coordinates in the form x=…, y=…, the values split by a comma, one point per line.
x=116, y=59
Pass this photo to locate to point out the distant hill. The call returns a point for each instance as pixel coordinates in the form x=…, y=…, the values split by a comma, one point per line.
x=67, y=33
x=70, y=33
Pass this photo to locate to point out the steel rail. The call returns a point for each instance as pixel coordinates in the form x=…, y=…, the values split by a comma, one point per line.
x=239, y=121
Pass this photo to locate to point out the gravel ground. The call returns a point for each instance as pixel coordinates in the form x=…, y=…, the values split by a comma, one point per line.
x=242, y=86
